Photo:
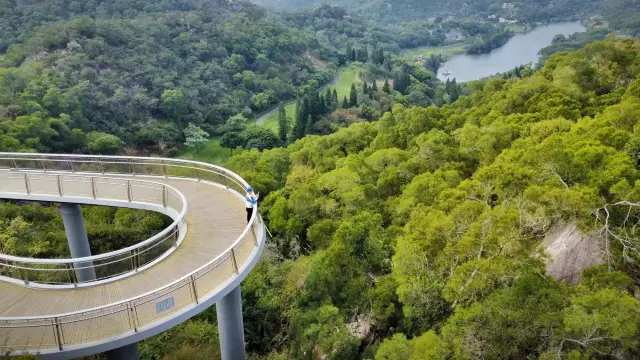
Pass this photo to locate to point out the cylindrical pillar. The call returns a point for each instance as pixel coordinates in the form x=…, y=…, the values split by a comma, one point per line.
x=77, y=240
x=230, y=326
x=127, y=352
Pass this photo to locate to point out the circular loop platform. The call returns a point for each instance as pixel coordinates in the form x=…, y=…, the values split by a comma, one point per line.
x=110, y=266
x=217, y=252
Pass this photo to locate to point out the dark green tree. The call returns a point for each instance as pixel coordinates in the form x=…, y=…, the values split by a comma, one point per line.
x=232, y=140
x=353, y=96
x=386, y=87
x=301, y=119
x=283, y=124
x=308, y=129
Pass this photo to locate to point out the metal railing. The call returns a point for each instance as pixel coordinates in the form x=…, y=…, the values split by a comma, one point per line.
x=109, y=265
x=59, y=331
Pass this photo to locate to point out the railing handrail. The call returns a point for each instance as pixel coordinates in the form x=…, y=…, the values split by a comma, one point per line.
x=189, y=276
x=176, y=223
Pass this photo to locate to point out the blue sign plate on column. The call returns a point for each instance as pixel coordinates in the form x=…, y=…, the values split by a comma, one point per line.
x=164, y=305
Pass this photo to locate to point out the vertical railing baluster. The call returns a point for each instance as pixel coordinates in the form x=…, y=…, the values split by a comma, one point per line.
x=56, y=332
x=194, y=291
x=131, y=170
x=132, y=320
x=27, y=185
x=129, y=190
x=59, y=185
x=164, y=195
x=101, y=165
x=164, y=169
x=74, y=277
x=94, y=191
x=233, y=262
x=60, y=331
x=14, y=164
x=255, y=236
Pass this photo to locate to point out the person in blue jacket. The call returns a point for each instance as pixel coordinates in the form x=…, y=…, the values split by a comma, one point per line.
x=250, y=200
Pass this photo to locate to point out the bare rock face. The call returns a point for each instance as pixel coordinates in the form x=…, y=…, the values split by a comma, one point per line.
x=361, y=327
x=571, y=251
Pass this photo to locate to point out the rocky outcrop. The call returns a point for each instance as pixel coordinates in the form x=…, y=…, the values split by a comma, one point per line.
x=571, y=251
x=360, y=327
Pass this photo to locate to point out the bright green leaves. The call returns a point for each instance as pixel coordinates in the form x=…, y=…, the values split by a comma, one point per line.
x=511, y=323
x=604, y=322
x=427, y=346
x=321, y=333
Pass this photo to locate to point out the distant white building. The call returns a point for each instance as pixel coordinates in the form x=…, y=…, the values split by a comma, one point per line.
x=502, y=20
x=491, y=17
x=431, y=20
x=508, y=6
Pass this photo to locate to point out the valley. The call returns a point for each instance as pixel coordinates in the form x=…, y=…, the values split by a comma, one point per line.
x=490, y=214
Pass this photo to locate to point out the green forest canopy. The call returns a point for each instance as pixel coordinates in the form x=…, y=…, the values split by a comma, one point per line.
x=421, y=229
x=427, y=223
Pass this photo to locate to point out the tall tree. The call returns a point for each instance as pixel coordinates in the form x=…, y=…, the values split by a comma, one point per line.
x=345, y=103
x=301, y=119
x=374, y=86
x=309, y=126
x=386, y=87
x=335, y=99
x=322, y=107
x=283, y=124
x=328, y=99
x=353, y=96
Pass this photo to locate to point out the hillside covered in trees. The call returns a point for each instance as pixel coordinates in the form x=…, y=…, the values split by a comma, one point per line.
x=418, y=233
x=621, y=14
x=134, y=81
x=421, y=233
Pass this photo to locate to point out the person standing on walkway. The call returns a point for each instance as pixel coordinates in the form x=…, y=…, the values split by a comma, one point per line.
x=251, y=200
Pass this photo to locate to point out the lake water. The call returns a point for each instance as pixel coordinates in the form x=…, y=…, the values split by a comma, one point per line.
x=519, y=50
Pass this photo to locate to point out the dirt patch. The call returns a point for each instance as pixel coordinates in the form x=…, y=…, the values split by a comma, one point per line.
x=571, y=251
x=315, y=60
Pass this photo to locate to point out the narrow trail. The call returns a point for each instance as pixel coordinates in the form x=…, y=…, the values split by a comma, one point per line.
x=260, y=121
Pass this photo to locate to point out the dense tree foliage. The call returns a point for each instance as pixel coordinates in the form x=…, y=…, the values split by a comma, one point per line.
x=423, y=228
x=143, y=80
x=411, y=232
x=36, y=230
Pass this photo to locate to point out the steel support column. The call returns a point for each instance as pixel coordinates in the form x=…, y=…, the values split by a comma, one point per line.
x=230, y=326
x=77, y=240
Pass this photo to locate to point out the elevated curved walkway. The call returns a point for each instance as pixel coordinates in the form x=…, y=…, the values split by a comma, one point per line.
x=210, y=251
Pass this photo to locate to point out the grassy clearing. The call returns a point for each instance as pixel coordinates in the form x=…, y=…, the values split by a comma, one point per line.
x=213, y=153
x=272, y=122
x=426, y=51
x=343, y=87
x=347, y=77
